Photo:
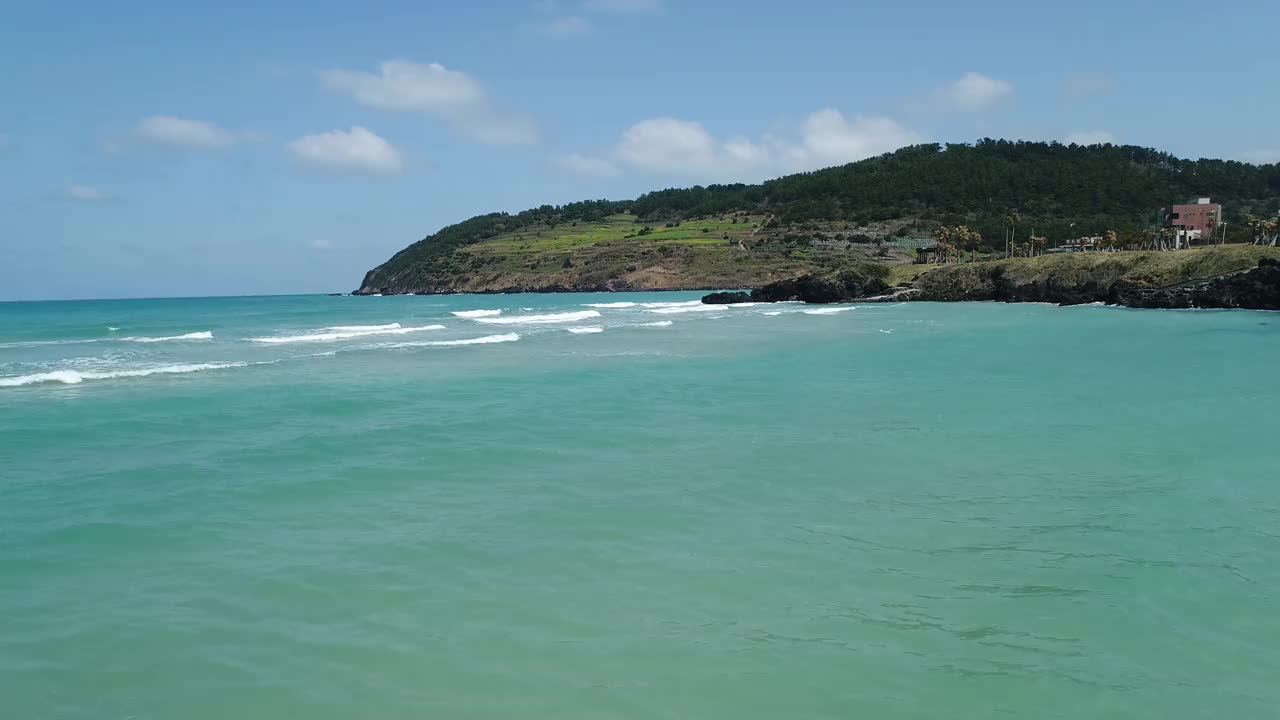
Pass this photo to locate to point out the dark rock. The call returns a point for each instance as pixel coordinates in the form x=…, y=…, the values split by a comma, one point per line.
x=726, y=298
x=845, y=287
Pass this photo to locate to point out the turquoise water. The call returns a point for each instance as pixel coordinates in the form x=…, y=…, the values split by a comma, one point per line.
x=911, y=511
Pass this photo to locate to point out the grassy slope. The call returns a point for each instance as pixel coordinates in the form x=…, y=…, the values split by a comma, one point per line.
x=1138, y=269
x=697, y=253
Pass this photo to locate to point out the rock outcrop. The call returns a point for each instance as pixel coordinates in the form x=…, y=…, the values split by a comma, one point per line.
x=844, y=287
x=726, y=298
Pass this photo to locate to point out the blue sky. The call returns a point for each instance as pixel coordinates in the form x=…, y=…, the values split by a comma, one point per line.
x=156, y=149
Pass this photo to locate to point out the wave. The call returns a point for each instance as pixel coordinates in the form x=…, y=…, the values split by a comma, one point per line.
x=683, y=303
x=774, y=312
x=205, y=335
x=75, y=377
x=541, y=319
x=112, y=329
x=660, y=323
x=347, y=335
x=590, y=330
x=611, y=305
x=676, y=309
x=486, y=340
x=476, y=313
x=745, y=304
x=827, y=311
x=362, y=328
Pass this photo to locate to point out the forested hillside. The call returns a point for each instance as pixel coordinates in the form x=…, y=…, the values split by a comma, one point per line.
x=1059, y=191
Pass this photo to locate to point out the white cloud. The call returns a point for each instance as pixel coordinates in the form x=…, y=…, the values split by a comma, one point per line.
x=184, y=133
x=1085, y=84
x=321, y=244
x=85, y=193
x=571, y=26
x=682, y=147
x=355, y=151
x=452, y=95
x=1091, y=137
x=587, y=165
x=622, y=5
x=671, y=146
x=973, y=92
x=828, y=139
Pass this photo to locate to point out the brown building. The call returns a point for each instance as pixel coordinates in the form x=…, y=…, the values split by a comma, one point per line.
x=1196, y=221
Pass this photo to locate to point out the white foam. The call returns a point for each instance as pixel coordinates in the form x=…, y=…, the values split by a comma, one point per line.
x=745, y=305
x=486, y=340
x=346, y=335
x=827, y=311
x=775, y=312
x=362, y=328
x=205, y=335
x=476, y=313
x=75, y=377
x=887, y=332
x=685, y=303
x=541, y=319
x=591, y=330
x=612, y=305
x=660, y=323
x=112, y=329
x=677, y=309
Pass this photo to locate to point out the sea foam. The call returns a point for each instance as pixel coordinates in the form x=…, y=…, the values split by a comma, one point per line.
x=486, y=340
x=826, y=311
x=541, y=319
x=660, y=323
x=205, y=335
x=590, y=330
x=677, y=309
x=202, y=335
x=683, y=303
x=335, y=334
x=611, y=305
x=75, y=377
x=476, y=313
x=362, y=328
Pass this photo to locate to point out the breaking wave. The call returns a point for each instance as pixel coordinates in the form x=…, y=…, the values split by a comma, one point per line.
x=476, y=313
x=826, y=311
x=590, y=330
x=611, y=305
x=362, y=328
x=660, y=323
x=75, y=377
x=206, y=335
x=684, y=303
x=202, y=335
x=676, y=309
x=336, y=334
x=486, y=340
x=541, y=319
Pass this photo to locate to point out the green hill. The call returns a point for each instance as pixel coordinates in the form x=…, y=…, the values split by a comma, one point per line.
x=877, y=209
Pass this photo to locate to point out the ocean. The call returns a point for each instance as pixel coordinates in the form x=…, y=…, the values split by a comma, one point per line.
x=636, y=506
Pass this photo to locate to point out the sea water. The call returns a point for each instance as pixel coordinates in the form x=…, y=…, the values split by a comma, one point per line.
x=636, y=506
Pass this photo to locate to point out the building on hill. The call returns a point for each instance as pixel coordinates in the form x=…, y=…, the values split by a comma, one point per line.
x=1194, y=222
x=1081, y=244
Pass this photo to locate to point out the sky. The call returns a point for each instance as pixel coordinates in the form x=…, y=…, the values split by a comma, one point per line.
x=154, y=149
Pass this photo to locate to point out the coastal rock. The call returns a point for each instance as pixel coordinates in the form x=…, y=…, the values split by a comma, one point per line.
x=1105, y=280
x=726, y=298
x=844, y=287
